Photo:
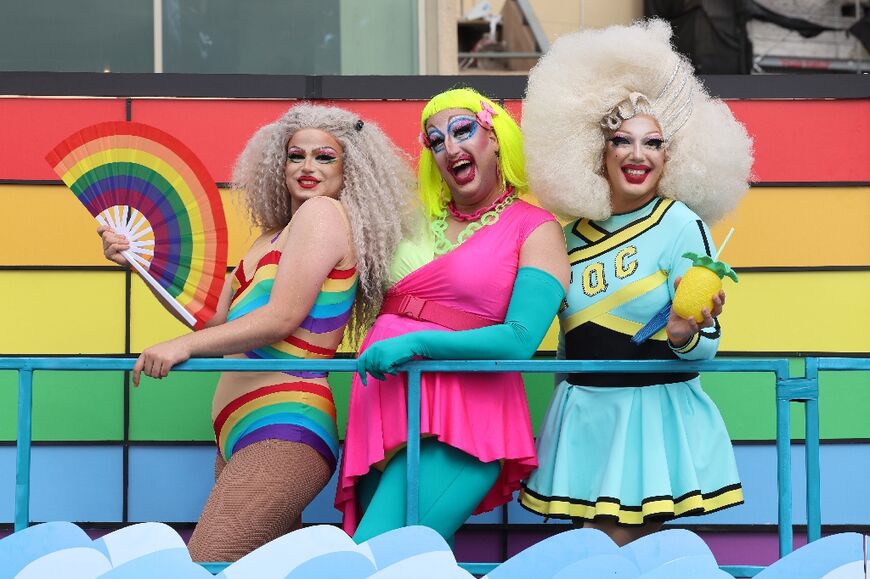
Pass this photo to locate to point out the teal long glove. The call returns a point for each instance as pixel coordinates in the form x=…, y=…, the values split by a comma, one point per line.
x=534, y=302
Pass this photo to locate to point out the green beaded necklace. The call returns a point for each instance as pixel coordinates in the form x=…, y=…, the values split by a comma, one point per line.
x=439, y=226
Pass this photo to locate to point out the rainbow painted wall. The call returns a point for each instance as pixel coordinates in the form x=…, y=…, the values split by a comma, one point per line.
x=107, y=453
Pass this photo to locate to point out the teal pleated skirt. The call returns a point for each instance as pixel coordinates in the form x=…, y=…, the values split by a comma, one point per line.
x=632, y=454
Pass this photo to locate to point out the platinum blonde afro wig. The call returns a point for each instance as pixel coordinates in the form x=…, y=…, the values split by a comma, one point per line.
x=588, y=83
x=378, y=192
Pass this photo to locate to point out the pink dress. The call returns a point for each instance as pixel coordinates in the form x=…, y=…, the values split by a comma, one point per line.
x=484, y=415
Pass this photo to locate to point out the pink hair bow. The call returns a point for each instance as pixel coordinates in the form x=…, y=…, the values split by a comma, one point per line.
x=484, y=117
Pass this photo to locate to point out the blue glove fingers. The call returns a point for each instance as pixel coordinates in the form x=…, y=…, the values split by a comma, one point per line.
x=361, y=368
x=384, y=357
x=370, y=363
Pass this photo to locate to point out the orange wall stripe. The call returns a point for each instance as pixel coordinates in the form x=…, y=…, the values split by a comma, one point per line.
x=773, y=227
x=798, y=227
x=46, y=225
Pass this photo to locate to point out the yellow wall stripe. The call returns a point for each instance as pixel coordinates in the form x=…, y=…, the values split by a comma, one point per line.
x=150, y=323
x=766, y=312
x=791, y=312
x=56, y=312
x=798, y=312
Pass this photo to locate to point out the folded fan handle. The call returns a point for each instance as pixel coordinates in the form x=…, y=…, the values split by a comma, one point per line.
x=171, y=301
x=656, y=323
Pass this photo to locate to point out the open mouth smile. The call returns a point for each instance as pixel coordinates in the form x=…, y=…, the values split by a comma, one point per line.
x=635, y=174
x=463, y=170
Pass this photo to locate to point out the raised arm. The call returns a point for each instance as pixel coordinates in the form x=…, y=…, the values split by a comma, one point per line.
x=318, y=240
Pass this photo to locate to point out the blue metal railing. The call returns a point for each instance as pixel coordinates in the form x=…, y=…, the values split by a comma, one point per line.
x=803, y=389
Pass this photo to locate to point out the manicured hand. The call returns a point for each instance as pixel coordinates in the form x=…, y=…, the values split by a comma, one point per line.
x=156, y=361
x=680, y=330
x=113, y=245
x=383, y=357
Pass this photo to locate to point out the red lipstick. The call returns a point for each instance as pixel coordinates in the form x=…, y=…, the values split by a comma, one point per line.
x=307, y=182
x=635, y=174
x=463, y=169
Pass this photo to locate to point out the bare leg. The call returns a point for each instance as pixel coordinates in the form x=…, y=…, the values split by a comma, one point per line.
x=621, y=534
x=258, y=496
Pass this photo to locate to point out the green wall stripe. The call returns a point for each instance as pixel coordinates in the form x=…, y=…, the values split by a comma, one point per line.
x=80, y=406
x=177, y=407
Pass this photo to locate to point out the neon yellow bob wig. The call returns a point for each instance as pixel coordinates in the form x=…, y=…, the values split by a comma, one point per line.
x=434, y=191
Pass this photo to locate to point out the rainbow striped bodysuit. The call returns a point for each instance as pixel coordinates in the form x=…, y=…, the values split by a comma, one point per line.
x=293, y=406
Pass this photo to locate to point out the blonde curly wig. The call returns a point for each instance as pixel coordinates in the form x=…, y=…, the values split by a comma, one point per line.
x=592, y=80
x=377, y=192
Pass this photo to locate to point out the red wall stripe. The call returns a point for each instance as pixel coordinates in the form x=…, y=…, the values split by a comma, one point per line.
x=218, y=130
x=30, y=128
x=808, y=140
x=215, y=130
x=795, y=141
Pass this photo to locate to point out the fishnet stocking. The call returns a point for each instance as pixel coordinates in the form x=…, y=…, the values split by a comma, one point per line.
x=258, y=496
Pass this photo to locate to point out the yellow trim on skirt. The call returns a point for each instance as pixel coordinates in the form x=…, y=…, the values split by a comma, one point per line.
x=694, y=504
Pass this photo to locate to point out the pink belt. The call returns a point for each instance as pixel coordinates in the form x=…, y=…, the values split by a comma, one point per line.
x=429, y=311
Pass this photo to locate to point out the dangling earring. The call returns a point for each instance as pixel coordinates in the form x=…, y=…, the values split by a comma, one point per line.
x=499, y=172
x=445, y=195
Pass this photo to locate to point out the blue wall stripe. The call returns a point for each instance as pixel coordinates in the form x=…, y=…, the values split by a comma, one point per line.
x=69, y=483
x=171, y=484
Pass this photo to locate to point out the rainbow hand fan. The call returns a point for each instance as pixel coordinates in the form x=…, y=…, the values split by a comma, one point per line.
x=148, y=186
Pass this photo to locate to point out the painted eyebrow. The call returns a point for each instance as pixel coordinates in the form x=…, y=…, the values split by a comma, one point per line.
x=318, y=149
x=655, y=135
x=458, y=118
x=452, y=120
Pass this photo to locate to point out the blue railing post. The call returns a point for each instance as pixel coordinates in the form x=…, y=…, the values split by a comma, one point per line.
x=22, y=449
x=783, y=465
x=814, y=500
x=804, y=390
x=412, y=513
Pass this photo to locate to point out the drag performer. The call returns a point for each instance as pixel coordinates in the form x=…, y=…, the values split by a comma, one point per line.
x=624, y=140
x=491, y=264
x=316, y=182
